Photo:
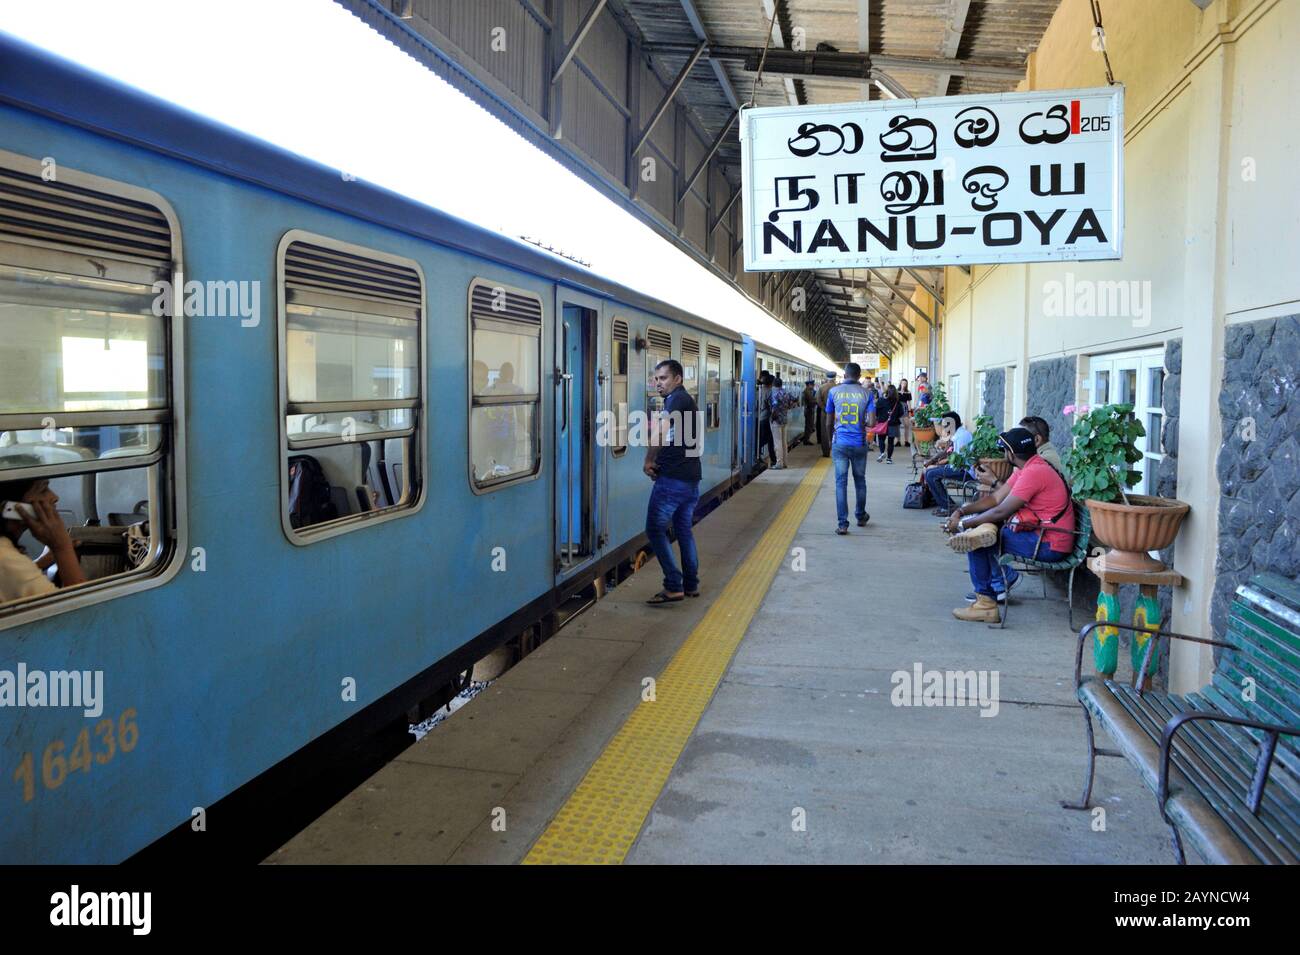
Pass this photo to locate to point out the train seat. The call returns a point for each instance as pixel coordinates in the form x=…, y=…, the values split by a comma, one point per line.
x=120, y=494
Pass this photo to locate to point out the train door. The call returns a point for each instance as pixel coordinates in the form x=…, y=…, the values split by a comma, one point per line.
x=739, y=404
x=577, y=398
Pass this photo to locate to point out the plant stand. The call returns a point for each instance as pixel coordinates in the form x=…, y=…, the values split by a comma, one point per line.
x=1146, y=613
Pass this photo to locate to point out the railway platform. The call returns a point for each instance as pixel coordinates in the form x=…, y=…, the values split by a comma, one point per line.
x=764, y=722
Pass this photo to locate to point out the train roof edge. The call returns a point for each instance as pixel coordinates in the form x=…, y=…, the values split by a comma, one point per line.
x=41, y=82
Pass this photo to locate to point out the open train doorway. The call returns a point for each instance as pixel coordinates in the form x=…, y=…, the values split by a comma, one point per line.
x=577, y=398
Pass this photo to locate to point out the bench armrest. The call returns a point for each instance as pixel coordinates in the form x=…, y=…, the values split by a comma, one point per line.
x=1267, y=747
x=1086, y=630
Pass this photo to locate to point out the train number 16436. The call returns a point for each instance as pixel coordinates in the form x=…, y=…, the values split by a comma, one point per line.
x=97, y=746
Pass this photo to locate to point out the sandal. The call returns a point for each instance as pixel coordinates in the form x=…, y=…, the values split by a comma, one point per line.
x=663, y=597
x=692, y=593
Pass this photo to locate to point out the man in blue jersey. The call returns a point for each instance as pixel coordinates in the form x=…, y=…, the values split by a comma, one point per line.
x=849, y=407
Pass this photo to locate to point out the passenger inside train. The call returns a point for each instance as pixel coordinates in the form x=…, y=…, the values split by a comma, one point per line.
x=37, y=507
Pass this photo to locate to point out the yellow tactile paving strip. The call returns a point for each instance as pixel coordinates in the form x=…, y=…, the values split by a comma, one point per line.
x=605, y=812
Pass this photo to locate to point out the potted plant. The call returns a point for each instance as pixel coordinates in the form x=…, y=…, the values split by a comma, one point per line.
x=923, y=419
x=983, y=450
x=1101, y=467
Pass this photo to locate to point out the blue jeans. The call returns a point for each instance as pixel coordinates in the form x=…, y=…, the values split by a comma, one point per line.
x=845, y=456
x=672, y=504
x=934, y=478
x=983, y=562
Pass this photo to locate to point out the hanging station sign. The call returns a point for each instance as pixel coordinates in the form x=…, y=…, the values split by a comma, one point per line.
x=951, y=180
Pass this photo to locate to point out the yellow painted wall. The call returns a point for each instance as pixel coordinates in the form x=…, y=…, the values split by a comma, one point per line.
x=1203, y=92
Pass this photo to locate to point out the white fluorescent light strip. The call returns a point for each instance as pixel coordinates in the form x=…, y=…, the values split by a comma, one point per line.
x=381, y=116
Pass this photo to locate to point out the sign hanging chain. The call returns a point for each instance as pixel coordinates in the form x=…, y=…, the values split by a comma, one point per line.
x=1099, y=40
x=762, y=59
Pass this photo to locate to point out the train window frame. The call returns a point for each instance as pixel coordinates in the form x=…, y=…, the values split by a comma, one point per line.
x=107, y=269
x=618, y=447
x=534, y=399
x=691, y=348
x=650, y=392
x=325, y=530
x=712, y=387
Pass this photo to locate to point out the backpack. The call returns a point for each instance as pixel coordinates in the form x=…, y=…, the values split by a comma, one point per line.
x=309, y=493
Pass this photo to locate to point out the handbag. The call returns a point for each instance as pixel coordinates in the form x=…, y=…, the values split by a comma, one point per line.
x=915, y=496
x=879, y=428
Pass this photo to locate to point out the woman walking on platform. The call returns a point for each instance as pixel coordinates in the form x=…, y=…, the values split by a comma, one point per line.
x=905, y=397
x=889, y=410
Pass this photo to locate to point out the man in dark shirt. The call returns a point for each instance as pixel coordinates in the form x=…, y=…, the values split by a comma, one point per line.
x=808, y=400
x=672, y=460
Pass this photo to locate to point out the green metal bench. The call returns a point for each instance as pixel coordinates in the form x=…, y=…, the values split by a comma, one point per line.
x=1224, y=763
x=1024, y=565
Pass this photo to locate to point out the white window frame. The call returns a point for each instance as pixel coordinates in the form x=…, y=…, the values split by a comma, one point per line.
x=491, y=487
x=171, y=455
x=1142, y=362
x=303, y=536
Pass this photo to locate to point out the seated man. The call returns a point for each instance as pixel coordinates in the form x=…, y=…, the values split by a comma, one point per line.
x=1046, y=450
x=20, y=576
x=1035, y=498
x=953, y=437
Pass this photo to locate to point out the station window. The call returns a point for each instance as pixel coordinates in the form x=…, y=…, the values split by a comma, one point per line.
x=659, y=347
x=713, y=387
x=88, y=419
x=505, y=384
x=618, y=385
x=691, y=368
x=351, y=385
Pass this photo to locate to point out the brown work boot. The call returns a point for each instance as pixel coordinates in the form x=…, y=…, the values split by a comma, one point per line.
x=985, y=535
x=983, y=610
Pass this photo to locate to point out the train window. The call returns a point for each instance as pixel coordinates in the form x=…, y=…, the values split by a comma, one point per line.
x=88, y=421
x=713, y=387
x=352, y=364
x=659, y=347
x=691, y=368
x=618, y=398
x=505, y=384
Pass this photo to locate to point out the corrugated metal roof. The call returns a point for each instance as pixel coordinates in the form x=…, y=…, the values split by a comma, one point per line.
x=996, y=33
x=612, y=96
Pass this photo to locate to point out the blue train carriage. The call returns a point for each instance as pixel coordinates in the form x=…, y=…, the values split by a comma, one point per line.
x=321, y=447
x=793, y=372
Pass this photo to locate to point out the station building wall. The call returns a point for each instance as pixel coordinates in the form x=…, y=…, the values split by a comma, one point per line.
x=1207, y=289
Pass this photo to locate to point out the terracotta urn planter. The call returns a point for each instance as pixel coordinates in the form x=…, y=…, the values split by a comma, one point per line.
x=1130, y=530
x=926, y=434
x=1000, y=468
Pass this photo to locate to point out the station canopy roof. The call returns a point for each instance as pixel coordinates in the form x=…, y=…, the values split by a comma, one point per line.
x=706, y=54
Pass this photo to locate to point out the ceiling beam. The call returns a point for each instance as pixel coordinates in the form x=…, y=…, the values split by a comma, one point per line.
x=904, y=296
x=668, y=96
x=717, y=142
x=571, y=50
x=953, y=29
x=846, y=65
x=720, y=71
x=934, y=293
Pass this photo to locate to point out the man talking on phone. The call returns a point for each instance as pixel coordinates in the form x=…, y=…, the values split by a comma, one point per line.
x=672, y=460
x=34, y=507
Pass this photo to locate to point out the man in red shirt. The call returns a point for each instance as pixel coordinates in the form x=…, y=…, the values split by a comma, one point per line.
x=1034, y=499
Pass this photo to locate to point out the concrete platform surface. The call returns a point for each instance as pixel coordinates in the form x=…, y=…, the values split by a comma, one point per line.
x=801, y=756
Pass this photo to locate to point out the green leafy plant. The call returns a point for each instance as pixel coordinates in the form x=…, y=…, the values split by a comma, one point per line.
x=927, y=415
x=1104, y=452
x=984, y=445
